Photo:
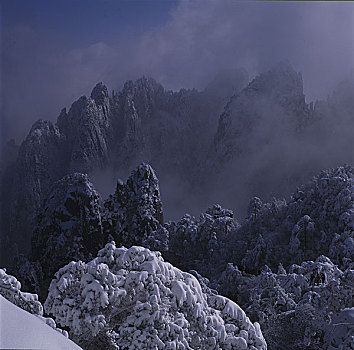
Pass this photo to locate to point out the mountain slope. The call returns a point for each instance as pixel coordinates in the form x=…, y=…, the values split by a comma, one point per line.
x=20, y=329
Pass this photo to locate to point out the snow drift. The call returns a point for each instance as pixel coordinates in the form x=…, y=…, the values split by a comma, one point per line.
x=22, y=330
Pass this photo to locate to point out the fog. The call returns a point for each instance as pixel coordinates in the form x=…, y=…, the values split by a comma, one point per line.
x=43, y=69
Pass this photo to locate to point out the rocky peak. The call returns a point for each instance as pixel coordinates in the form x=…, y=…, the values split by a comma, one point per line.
x=143, y=179
x=42, y=143
x=142, y=84
x=40, y=162
x=282, y=84
x=78, y=106
x=142, y=96
x=72, y=186
x=42, y=128
x=100, y=94
x=69, y=225
x=144, y=185
x=272, y=98
x=62, y=121
x=86, y=127
x=135, y=210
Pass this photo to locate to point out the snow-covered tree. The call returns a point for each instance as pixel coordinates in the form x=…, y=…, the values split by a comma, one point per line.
x=201, y=243
x=10, y=288
x=294, y=308
x=133, y=299
x=318, y=219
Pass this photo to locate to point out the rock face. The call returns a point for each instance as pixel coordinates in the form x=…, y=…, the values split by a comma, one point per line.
x=69, y=225
x=135, y=109
x=133, y=215
x=143, y=122
x=191, y=138
x=160, y=127
x=73, y=224
x=132, y=299
x=86, y=128
x=78, y=142
x=275, y=98
x=40, y=162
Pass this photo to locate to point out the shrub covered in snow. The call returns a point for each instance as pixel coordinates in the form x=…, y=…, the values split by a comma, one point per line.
x=202, y=243
x=318, y=219
x=294, y=308
x=132, y=299
x=10, y=288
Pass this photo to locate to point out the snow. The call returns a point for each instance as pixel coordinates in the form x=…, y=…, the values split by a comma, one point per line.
x=20, y=329
x=145, y=304
x=340, y=333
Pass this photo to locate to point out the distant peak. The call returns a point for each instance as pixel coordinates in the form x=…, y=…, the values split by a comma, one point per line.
x=41, y=127
x=143, y=83
x=286, y=71
x=281, y=80
x=99, y=93
x=144, y=171
x=41, y=124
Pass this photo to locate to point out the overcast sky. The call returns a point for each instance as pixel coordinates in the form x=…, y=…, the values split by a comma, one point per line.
x=52, y=52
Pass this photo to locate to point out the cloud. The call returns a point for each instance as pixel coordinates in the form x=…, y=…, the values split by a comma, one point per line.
x=42, y=74
x=203, y=36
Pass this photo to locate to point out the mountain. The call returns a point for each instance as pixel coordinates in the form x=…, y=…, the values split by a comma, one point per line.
x=288, y=264
x=272, y=98
x=69, y=225
x=133, y=214
x=73, y=223
x=269, y=139
x=39, y=164
x=142, y=122
x=265, y=140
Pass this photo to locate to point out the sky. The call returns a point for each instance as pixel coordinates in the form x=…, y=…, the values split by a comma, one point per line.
x=52, y=52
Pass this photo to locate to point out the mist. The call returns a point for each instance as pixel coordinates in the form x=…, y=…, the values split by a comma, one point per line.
x=45, y=70
x=281, y=160
x=187, y=45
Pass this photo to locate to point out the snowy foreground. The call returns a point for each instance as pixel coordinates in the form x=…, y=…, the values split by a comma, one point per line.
x=133, y=299
x=20, y=329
